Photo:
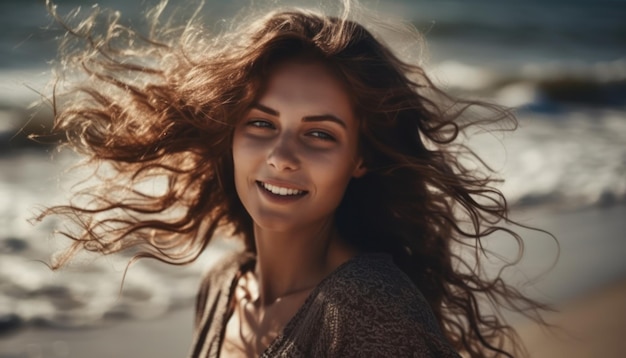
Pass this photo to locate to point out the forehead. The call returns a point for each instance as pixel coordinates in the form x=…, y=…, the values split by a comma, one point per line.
x=301, y=83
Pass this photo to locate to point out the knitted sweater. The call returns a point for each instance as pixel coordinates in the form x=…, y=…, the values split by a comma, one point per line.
x=367, y=307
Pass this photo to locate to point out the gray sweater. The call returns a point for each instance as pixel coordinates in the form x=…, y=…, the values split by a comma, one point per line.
x=367, y=307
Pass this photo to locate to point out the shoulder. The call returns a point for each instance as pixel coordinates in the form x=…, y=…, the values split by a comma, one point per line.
x=374, y=281
x=229, y=262
x=217, y=279
x=374, y=308
x=212, y=303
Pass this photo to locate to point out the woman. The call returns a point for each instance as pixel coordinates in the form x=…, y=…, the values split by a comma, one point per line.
x=333, y=161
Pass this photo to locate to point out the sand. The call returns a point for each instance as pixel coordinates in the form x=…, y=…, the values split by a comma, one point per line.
x=168, y=336
x=592, y=326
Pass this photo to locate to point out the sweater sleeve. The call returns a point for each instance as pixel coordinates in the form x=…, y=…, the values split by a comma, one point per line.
x=212, y=305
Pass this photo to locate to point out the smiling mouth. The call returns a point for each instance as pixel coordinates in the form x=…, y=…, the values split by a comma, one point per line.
x=281, y=191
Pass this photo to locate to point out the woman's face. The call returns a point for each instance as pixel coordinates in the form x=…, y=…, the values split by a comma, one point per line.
x=296, y=149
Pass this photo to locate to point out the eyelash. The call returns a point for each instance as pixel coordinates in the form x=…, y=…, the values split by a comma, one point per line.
x=317, y=134
x=256, y=122
x=324, y=136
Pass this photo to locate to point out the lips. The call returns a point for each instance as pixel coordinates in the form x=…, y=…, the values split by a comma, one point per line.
x=281, y=190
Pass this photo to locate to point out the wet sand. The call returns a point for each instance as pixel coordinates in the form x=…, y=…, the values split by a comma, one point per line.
x=168, y=336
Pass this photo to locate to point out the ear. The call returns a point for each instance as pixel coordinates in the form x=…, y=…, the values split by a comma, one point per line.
x=360, y=169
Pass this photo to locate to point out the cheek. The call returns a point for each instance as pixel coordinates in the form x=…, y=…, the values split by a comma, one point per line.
x=333, y=173
x=241, y=163
x=243, y=151
x=247, y=149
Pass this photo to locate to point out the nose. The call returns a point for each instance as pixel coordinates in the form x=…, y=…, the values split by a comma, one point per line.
x=282, y=155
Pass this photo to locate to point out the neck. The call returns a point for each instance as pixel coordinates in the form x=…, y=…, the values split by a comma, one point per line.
x=291, y=262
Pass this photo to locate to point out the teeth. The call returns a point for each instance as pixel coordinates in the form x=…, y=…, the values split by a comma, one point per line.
x=281, y=191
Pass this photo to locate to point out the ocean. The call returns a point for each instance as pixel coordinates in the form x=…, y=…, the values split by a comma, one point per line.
x=561, y=64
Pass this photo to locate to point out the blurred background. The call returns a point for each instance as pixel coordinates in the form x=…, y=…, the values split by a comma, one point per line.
x=561, y=64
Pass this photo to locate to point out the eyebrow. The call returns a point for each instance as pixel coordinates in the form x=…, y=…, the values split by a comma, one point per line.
x=317, y=118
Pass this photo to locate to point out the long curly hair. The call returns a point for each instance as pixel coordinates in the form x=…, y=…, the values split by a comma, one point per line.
x=161, y=108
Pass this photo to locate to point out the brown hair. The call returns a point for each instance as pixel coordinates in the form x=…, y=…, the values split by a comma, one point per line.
x=164, y=106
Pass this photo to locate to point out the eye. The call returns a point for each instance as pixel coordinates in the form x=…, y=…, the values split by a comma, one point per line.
x=322, y=136
x=260, y=123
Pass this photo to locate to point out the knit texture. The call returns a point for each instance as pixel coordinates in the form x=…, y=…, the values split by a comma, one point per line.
x=367, y=307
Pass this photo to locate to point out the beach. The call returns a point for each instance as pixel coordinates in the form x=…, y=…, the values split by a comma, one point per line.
x=592, y=326
x=564, y=171
x=592, y=312
x=595, y=326
x=166, y=336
